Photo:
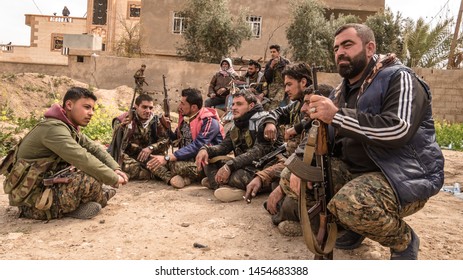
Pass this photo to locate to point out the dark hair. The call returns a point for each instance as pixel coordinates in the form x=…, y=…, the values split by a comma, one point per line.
x=323, y=89
x=248, y=95
x=298, y=71
x=193, y=97
x=276, y=47
x=143, y=65
x=143, y=97
x=364, y=32
x=76, y=93
x=255, y=63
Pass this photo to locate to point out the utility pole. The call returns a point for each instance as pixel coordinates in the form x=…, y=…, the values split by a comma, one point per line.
x=450, y=63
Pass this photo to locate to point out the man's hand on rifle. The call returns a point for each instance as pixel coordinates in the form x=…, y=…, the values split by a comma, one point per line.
x=270, y=132
x=290, y=133
x=295, y=184
x=322, y=108
x=252, y=188
x=144, y=154
x=165, y=121
x=274, y=197
x=202, y=158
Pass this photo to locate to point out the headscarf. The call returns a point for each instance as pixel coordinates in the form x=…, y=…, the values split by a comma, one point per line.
x=230, y=71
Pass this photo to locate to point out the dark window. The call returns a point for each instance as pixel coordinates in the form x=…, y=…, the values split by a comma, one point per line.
x=100, y=9
x=134, y=10
x=57, y=42
x=80, y=58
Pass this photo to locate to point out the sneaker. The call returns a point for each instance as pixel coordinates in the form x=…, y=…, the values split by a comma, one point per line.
x=179, y=182
x=205, y=183
x=85, y=211
x=228, y=194
x=411, y=253
x=290, y=228
x=349, y=240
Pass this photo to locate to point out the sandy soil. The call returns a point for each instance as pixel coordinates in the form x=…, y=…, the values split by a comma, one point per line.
x=150, y=220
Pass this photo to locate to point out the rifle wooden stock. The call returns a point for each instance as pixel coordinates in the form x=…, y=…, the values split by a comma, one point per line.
x=322, y=243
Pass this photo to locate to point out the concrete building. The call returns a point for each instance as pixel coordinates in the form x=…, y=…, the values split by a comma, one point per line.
x=162, y=26
x=108, y=19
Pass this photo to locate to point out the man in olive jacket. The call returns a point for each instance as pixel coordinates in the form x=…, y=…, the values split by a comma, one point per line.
x=57, y=144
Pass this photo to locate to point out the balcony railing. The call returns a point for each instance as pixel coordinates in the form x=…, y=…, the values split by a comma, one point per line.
x=60, y=19
x=6, y=48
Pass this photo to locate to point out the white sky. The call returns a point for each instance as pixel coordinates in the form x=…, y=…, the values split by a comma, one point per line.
x=13, y=28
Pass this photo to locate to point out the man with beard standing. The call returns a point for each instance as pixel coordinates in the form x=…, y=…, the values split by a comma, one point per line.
x=229, y=177
x=388, y=158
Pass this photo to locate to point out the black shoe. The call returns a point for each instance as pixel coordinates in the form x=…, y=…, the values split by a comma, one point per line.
x=85, y=211
x=349, y=240
x=411, y=253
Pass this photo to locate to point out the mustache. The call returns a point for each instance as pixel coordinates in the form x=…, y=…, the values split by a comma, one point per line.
x=343, y=57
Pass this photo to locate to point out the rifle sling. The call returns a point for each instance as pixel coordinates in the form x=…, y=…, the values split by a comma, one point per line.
x=310, y=239
x=219, y=158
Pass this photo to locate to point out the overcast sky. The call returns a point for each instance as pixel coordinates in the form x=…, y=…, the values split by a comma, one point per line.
x=13, y=28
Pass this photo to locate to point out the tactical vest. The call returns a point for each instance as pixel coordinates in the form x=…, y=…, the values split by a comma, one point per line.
x=24, y=178
x=244, y=139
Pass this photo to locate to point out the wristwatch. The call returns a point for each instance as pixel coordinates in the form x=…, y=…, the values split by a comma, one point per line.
x=151, y=147
x=167, y=158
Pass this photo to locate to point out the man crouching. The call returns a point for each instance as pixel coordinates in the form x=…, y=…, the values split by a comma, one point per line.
x=56, y=170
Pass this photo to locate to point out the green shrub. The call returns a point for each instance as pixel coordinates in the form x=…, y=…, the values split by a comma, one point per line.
x=449, y=135
x=99, y=128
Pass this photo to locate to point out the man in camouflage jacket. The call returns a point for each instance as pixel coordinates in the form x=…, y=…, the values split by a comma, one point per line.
x=229, y=176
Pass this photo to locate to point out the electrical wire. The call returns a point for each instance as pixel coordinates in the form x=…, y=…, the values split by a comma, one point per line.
x=37, y=7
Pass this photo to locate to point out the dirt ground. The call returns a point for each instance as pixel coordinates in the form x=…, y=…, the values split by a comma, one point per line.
x=148, y=220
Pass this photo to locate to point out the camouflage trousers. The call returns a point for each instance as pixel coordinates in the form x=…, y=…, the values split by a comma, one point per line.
x=238, y=179
x=134, y=169
x=366, y=203
x=276, y=94
x=186, y=169
x=67, y=197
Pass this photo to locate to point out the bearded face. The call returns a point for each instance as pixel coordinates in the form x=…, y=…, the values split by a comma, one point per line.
x=354, y=66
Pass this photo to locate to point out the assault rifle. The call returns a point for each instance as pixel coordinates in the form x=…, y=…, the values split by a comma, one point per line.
x=321, y=240
x=270, y=156
x=120, y=139
x=166, y=107
x=166, y=99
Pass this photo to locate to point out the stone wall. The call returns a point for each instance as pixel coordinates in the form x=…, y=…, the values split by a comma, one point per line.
x=110, y=72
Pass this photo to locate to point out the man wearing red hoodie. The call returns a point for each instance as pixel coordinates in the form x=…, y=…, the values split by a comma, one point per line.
x=58, y=171
x=198, y=126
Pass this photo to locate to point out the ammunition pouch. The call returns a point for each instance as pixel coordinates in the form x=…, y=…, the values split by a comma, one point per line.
x=23, y=184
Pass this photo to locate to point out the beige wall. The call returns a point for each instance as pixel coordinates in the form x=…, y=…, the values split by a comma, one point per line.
x=113, y=30
x=40, y=49
x=111, y=72
x=157, y=18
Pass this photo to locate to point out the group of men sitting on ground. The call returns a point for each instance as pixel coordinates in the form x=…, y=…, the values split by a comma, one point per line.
x=385, y=159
